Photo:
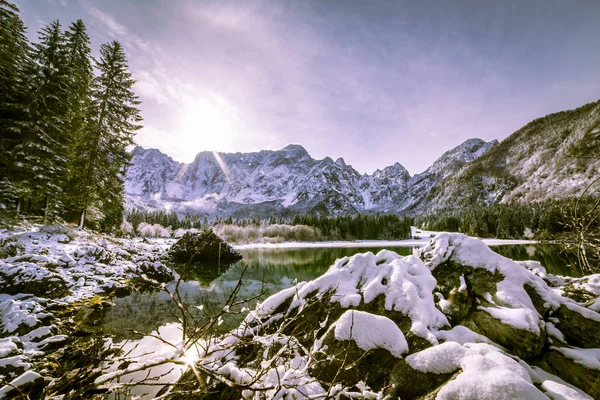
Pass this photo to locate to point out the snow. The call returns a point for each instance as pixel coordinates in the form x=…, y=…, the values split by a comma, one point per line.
x=15, y=362
x=16, y=311
x=555, y=388
x=332, y=244
x=513, y=304
x=553, y=331
x=371, y=332
x=589, y=358
x=442, y=359
x=25, y=378
x=213, y=182
x=7, y=347
x=405, y=282
x=521, y=318
x=364, y=243
x=461, y=335
x=487, y=373
x=71, y=264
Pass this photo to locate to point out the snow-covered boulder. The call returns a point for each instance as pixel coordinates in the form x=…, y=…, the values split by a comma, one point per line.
x=457, y=321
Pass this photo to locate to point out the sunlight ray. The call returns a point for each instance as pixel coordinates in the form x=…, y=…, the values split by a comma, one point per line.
x=223, y=166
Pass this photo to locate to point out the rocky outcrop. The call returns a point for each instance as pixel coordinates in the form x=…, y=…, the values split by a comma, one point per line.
x=203, y=246
x=457, y=321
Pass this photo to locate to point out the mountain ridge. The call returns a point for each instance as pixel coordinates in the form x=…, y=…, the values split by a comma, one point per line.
x=537, y=162
x=284, y=181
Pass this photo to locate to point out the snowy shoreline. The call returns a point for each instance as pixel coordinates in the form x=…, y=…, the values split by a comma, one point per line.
x=46, y=275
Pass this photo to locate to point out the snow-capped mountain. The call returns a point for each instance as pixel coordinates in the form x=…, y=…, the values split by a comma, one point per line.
x=282, y=182
x=548, y=158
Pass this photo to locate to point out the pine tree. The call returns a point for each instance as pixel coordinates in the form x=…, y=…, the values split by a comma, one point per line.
x=81, y=73
x=45, y=153
x=15, y=67
x=113, y=119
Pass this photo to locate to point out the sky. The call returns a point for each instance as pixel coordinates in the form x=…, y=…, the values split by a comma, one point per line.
x=375, y=82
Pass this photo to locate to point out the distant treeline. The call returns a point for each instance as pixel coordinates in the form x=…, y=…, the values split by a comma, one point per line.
x=352, y=227
x=359, y=226
x=541, y=220
x=506, y=221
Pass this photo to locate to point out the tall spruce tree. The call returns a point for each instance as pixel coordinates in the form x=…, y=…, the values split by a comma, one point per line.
x=45, y=153
x=112, y=121
x=15, y=88
x=81, y=73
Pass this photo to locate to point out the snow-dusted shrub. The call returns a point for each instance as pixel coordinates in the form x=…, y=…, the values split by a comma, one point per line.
x=10, y=247
x=253, y=233
x=127, y=228
x=164, y=232
x=275, y=233
x=528, y=234
x=303, y=233
x=232, y=233
x=146, y=230
x=277, y=230
x=179, y=233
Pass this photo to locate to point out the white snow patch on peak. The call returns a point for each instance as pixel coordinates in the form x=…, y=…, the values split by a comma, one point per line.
x=370, y=332
x=487, y=373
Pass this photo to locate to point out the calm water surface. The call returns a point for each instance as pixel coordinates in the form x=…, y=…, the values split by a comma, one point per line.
x=268, y=269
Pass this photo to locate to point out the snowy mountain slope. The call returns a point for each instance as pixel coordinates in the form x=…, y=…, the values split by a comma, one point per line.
x=421, y=185
x=282, y=182
x=556, y=156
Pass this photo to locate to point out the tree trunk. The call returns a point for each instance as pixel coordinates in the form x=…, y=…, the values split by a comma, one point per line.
x=46, y=209
x=81, y=219
x=19, y=202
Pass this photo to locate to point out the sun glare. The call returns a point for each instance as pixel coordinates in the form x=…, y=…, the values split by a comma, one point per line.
x=208, y=124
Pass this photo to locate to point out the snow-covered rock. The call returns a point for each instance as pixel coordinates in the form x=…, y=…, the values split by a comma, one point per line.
x=386, y=326
x=50, y=269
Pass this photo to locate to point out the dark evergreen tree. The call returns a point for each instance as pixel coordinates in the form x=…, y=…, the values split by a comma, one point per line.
x=79, y=65
x=112, y=120
x=15, y=85
x=45, y=152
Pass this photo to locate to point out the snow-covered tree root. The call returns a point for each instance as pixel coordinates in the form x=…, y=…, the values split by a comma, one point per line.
x=457, y=321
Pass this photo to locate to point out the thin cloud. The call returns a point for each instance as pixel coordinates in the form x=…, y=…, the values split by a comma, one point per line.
x=375, y=83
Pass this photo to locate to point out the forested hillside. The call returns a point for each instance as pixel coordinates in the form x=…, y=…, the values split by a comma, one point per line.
x=66, y=120
x=553, y=157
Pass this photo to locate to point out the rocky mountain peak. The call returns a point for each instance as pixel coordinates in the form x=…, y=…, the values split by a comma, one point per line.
x=268, y=182
x=340, y=161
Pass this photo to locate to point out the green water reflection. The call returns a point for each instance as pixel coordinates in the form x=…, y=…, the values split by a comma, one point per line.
x=552, y=257
x=270, y=270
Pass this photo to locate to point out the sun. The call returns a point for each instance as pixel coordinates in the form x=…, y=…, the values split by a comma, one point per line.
x=208, y=124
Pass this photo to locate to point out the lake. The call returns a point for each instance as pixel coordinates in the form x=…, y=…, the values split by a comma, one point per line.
x=266, y=270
